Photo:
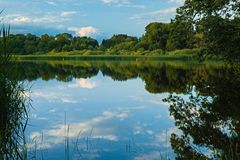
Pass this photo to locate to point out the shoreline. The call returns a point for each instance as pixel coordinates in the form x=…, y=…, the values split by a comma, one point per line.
x=103, y=57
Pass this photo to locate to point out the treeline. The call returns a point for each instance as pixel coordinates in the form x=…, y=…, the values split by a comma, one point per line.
x=32, y=44
x=210, y=26
x=159, y=37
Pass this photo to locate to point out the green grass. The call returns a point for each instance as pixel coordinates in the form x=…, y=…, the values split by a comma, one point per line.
x=184, y=54
x=100, y=55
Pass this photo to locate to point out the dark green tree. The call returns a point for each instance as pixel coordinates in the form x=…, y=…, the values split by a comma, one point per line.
x=118, y=40
x=156, y=36
x=220, y=24
x=181, y=34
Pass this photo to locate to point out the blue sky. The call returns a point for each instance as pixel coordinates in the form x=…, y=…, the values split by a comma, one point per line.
x=95, y=18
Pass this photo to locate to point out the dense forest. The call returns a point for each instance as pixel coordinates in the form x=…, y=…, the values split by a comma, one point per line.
x=158, y=36
x=29, y=43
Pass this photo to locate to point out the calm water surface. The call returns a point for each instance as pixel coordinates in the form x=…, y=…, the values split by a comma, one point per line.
x=116, y=110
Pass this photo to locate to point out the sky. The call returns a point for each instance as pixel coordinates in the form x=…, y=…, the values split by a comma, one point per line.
x=92, y=18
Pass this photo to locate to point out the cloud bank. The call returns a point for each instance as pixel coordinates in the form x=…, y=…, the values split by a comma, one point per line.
x=83, y=31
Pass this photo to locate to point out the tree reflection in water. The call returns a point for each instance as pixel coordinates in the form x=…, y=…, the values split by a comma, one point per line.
x=159, y=76
x=209, y=119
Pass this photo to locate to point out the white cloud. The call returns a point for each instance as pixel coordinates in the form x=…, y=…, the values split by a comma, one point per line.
x=122, y=3
x=68, y=100
x=35, y=116
x=83, y=31
x=150, y=132
x=20, y=19
x=121, y=115
x=53, y=97
x=96, y=124
x=135, y=6
x=43, y=19
x=83, y=83
x=109, y=137
x=49, y=18
x=34, y=135
x=163, y=15
x=178, y=1
x=52, y=110
x=156, y=99
x=115, y=1
x=68, y=13
x=137, y=130
x=51, y=3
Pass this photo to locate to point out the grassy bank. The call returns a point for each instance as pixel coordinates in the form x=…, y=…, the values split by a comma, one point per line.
x=102, y=57
x=187, y=54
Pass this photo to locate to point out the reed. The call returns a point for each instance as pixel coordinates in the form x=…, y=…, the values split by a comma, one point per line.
x=14, y=104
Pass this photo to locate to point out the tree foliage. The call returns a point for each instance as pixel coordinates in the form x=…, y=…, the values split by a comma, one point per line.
x=210, y=25
x=220, y=25
x=32, y=44
x=119, y=42
x=208, y=118
x=181, y=34
x=156, y=36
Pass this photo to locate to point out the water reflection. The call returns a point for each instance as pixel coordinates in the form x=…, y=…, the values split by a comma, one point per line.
x=115, y=110
x=159, y=76
x=108, y=121
x=209, y=119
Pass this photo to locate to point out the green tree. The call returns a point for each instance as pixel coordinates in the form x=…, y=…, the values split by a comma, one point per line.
x=156, y=36
x=181, y=34
x=220, y=23
x=30, y=44
x=80, y=43
x=116, y=40
x=46, y=43
x=62, y=40
x=222, y=37
x=16, y=43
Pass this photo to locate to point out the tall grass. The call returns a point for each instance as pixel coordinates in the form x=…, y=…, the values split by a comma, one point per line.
x=14, y=105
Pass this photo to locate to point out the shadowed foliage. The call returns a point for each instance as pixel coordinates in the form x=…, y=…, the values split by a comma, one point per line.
x=13, y=106
x=208, y=119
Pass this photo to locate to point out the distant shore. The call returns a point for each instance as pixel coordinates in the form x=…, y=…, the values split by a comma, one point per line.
x=189, y=54
x=101, y=57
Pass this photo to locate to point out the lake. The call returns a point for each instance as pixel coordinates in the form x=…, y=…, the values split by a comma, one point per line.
x=133, y=110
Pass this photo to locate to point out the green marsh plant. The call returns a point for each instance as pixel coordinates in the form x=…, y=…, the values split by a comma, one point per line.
x=14, y=104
